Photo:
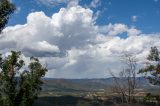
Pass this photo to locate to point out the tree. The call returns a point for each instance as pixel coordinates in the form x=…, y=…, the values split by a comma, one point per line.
x=6, y=9
x=125, y=83
x=19, y=88
x=152, y=71
x=152, y=68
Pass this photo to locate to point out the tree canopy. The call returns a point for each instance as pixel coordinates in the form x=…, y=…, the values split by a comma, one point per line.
x=19, y=84
x=152, y=69
x=19, y=87
x=6, y=9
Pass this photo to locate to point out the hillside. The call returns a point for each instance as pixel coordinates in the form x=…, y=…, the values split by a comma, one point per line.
x=71, y=85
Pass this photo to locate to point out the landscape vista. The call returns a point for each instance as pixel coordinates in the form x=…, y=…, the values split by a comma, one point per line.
x=80, y=52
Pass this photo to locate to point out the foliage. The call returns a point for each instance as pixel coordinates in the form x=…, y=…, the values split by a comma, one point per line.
x=17, y=87
x=152, y=69
x=6, y=9
x=152, y=72
x=152, y=98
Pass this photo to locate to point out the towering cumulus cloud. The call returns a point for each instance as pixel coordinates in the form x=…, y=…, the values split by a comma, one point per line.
x=73, y=45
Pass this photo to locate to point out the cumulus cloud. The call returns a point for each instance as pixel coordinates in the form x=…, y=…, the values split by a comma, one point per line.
x=95, y=61
x=70, y=27
x=116, y=29
x=71, y=45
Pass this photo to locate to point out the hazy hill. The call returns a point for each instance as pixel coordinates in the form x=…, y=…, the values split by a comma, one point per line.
x=88, y=84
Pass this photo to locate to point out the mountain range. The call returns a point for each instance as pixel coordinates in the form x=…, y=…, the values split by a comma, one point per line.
x=71, y=85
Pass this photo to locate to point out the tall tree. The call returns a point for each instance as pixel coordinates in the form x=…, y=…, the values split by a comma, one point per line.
x=17, y=87
x=152, y=72
x=152, y=69
x=6, y=9
x=126, y=86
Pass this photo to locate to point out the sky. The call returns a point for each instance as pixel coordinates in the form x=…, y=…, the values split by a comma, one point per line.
x=83, y=38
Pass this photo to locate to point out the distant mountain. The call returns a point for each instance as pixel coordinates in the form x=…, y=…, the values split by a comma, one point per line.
x=71, y=85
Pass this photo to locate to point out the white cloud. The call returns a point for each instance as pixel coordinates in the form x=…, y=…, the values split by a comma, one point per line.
x=97, y=14
x=156, y=0
x=116, y=29
x=134, y=18
x=72, y=3
x=57, y=2
x=51, y=2
x=133, y=31
x=95, y=3
x=97, y=60
x=73, y=46
x=18, y=9
x=70, y=27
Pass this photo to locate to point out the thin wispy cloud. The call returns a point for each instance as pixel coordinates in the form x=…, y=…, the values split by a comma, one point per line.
x=55, y=2
x=94, y=4
x=18, y=9
x=156, y=0
x=51, y=2
x=134, y=18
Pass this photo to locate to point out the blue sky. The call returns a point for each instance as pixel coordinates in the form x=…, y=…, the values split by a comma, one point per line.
x=83, y=38
x=146, y=12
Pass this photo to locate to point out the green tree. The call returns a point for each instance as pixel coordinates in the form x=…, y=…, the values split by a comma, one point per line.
x=6, y=9
x=17, y=87
x=152, y=69
x=152, y=72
